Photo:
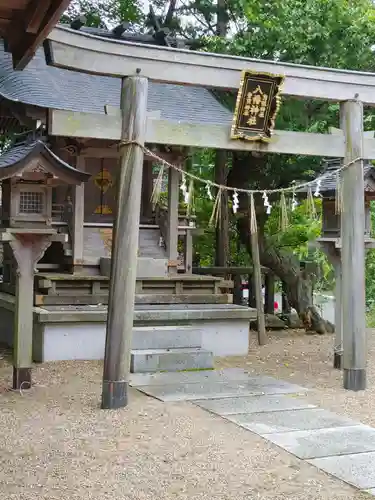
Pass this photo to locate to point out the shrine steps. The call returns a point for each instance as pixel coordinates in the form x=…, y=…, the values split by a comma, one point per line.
x=169, y=348
x=171, y=360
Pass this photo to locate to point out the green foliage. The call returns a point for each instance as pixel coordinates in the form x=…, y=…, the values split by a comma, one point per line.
x=104, y=13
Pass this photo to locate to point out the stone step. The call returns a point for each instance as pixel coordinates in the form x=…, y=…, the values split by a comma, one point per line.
x=166, y=337
x=171, y=360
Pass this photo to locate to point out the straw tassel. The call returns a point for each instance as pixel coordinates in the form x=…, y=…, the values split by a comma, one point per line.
x=311, y=211
x=157, y=187
x=253, y=215
x=284, y=222
x=338, y=196
x=190, y=197
x=216, y=209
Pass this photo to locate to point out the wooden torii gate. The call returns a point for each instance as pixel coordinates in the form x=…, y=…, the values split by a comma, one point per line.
x=136, y=64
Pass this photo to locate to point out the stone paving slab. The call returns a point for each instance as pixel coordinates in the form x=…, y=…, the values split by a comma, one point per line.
x=272, y=386
x=190, y=377
x=219, y=389
x=254, y=404
x=326, y=442
x=355, y=469
x=289, y=420
x=190, y=392
x=275, y=410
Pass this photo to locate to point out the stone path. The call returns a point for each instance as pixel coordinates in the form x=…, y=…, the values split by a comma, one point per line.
x=280, y=413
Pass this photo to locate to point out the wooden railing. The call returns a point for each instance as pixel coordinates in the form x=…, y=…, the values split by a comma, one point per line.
x=186, y=226
x=237, y=274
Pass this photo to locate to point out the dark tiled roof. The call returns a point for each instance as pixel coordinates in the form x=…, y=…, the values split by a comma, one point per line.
x=16, y=154
x=149, y=39
x=50, y=87
x=15, y=158
x=328, y=184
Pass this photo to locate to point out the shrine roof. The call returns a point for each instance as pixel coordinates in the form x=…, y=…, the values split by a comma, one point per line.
x=49, y=87
x=14, y=160
x=328, y=184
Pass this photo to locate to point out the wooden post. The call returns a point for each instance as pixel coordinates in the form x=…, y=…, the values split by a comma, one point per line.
x=222, y=229
x=337, y=354
x=78, y=219
x=188, y=251
x=251, y=287
x=353, y=250
x=285, y=307
x=257, y=274
x=27, y=251
x=172, y=231
x=269, y=293
x=237, y=289
x=147, y=187
x=125, y=245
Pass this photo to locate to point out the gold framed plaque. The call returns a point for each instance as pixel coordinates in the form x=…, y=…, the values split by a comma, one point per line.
x=258, y=101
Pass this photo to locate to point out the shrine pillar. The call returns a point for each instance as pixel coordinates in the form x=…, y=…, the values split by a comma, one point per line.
x=78, y=217
x=353, y=249
x=116, y=371
x=172, y=222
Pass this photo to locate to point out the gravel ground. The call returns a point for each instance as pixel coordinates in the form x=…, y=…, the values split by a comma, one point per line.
x=308, y=360
x=57, y=444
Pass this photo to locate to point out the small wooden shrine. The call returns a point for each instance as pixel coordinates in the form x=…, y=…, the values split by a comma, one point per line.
x=332, y=202
x=29, y=172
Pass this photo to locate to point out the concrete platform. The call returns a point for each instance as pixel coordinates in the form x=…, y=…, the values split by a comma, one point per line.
x=78, y=332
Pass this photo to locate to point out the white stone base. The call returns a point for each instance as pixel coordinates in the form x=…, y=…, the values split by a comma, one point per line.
x=73, y=341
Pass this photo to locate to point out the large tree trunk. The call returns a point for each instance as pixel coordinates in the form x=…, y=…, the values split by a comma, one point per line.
x=299, y=284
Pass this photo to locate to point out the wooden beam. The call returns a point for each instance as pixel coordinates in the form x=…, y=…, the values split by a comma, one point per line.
x=101, y=126
x=15, y=5
x=34, y=15
x=81, y=51
x=353, y=251
x=108, y=152
x=226, y=270
x=368, y=134
x=38, y=24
